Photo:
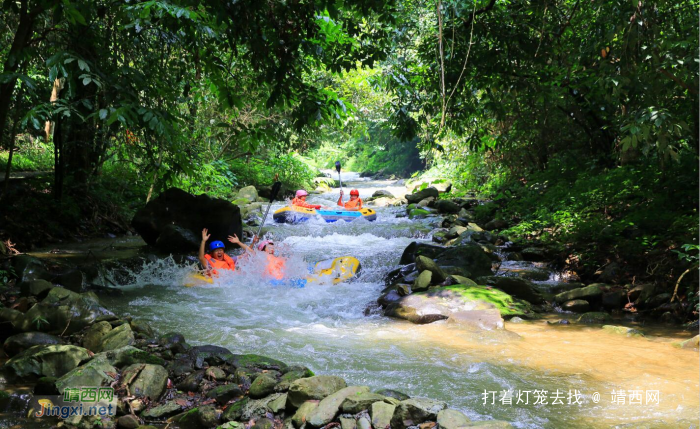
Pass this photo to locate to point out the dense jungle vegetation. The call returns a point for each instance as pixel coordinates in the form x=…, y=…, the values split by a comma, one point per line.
x=577, y=121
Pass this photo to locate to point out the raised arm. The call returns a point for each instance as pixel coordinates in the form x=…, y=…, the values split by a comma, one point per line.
x=340, y=200
x=202, y=259
x=234, y=239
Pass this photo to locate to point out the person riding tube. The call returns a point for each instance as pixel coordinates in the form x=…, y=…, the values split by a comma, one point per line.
x=216, y=259
x=355, y=202
x=275, y=264
x=300, y=200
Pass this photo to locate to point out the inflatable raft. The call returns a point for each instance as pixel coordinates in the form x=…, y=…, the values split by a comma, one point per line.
x=328, y=271
x=295, y=214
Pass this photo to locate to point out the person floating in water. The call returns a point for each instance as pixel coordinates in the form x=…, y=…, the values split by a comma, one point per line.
x=275, y=264
x=355, y=202
x=216, y=259
x=300, y=200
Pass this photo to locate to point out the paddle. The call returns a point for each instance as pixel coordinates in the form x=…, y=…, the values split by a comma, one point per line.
x=273, y=194
x=337, y=167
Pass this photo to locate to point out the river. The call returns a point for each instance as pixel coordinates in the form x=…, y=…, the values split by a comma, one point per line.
x=330, y=330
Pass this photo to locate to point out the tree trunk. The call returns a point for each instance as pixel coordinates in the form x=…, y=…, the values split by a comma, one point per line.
x=9, y=159
x=57, y=87
x=58, y=160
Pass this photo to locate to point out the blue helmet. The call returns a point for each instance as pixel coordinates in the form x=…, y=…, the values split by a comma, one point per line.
x=216, y=245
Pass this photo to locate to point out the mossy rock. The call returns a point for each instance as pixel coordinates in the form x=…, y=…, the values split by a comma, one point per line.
x=594, y=317
x=505, y=303
x=241, y=201
x=235, y=410
x=623, y=330
x=257, y=362
x=262, y=386
x=418, y=214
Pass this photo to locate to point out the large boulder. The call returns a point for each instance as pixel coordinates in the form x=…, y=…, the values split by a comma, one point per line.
x=588, y=293
x=117, y=338
x=329, y=406
x=249, y=193
x=421, y=195
x=517, y=287
x=362, y=401
x=21, y=342
x=97, y=372
x=47, y=360
x=451, y=419
x=426, y=264
x=317, y=387
x=469, y=258
x=63, y=311
x=145, y=380
x=381, y=413
x=39, y=288
x=28, y=268
x=176, y=207
x=415, y=411
x=447, y=206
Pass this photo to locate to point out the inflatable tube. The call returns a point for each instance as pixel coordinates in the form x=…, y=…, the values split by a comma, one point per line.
x=296, y=214
x=328, y=271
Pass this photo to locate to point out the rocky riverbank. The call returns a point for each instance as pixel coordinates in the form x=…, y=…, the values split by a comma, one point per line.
x=57, y=339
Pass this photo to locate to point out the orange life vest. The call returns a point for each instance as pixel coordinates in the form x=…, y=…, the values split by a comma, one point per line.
x=300, y=203
x=226, y=264
x=356, y=204
x=275, y=266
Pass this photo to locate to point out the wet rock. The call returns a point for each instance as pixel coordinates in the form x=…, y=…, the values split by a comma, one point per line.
x=576, y=306
x=129, y=355
x=382, y=193
x=28, y=268
x=317, y=387
x=589, y=293
x=415, y=249
x=381, y=414
x=534, y=254
x=534, y=274
x=393, y=394
x=21, y=342
x=657, y=300
x=623, y=330
x=72, y=280
x=145, y=380
x=594, y=317
x=191, y=382
x=440, y=235
x=45, y=386
x=418, y=214
x=423, y=281
x=119, y=337
x=174, y=341
x=487, y=320
x=292, y=374
x=388, y=298
x=426, y=264
x=421, y=195
x=447, y=206
x=693, y=343
x=177, y=208
x=517, y=287
x=97, y=372
x=455, y=232
x=329, y=406
x=223, y=394
x=613, y=299
x=141, y=327
x=451, y=419
x=413, y=411
x=128, y=421
x=210, y=355
x=162, y=412
x=262, y=386
x=93, y=337
x=235, y=410
x=46, y=360
x=63, y=311
x=279, y=404
x=496, y=224
x=609, y=273
x=456, y=279
x=205, y=416
x=469, y=257
x=9, y=318
x=306, y=408
x=249, y=193
x=641, y=293
x=39, y=288
x=362, y=401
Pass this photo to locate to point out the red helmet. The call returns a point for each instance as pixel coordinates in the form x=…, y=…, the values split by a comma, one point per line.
x=355, y=192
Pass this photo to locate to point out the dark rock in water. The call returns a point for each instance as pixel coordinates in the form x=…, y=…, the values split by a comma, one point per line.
x=411, y=412
x=613, y=299
x=427, y=264
x=257, y=362
x=39, y=288
x=21, y=342
x=72, y=280
x=175, y=342
x=641, y=293
x=447, y=206
x=176, y=207
x=382, y=193
x=590, y=293
x=414, y=249
x=470, y=257
x=421, y=195
x=519, y=288
x=393, y=394
x=594, y=317
x=388, y=298
x=576, y=306
x=534, y=254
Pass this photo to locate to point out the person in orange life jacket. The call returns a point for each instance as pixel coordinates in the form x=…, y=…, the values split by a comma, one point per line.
x=355, y=202
x=300, y=200
x=275, y=264
x=216, y=258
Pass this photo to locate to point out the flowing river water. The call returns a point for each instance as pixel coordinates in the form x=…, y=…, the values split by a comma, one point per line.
x=330, y=330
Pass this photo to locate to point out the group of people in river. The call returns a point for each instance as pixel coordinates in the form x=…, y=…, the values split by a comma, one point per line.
x=216, y=259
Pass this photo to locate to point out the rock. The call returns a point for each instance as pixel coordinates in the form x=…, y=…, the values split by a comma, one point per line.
x=613, y=300
x=45, y=386
x=129, y=355
x=262, y=386
x=347, y=423
x=496, y=224
x=117, y=338
x=145, y=380
x=469, y=257
x=223, y=394
x=330, y=405
x=415, y=249
x=692, y=343
x=128, y=421
x=39, y=288
x=382, y=193
x=279, y=404
x=623, y=330
x=589, y=293
x=263, y=423
x=215, y=373
x=97, y=372
x=393, y=394
x=162, y=412
x=257, y=362
x=175, y=207
x=363, y=401
x=657, y=301
x=641, y=293
x=447, y=206
x=576, y=306
x=72, y=280
x=451, y=419
x=46, y=360
x=534, y=254
x=455, y=232
x=388, y=298
x=174, y=341
x=413, y=411
x=292, y=374
x=28, y=268
x=487, y=320
x=317, y=387
x=610, y=273
x=421, y=195
x=489, y=424
x=517, y=287
x=205, y=416
x=191, y=382
x=423, y=281
x=423, y=263
x=306, y=408
x=21, y=342
x=594, y=317
x=382, y=413
x=440, y=303
x=249, y=193
x=455, y=279
x=93, y=337
x=418, y=214
x=9, y=318
x=235, y=410
x=364, y=422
